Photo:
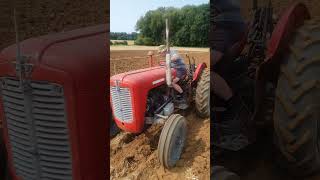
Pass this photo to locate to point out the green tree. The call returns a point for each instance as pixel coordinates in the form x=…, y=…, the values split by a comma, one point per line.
x=189, y=26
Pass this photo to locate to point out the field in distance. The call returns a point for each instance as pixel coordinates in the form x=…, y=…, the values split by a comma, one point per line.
x=130, y=42
x=154, y=48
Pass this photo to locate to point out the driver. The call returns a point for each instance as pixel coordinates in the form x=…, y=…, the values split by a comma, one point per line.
x=178, y=64
x=228, y=27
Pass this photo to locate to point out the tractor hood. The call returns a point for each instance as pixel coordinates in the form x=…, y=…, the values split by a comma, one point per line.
x=146, y=78
x=129, y=100
x=66, y=52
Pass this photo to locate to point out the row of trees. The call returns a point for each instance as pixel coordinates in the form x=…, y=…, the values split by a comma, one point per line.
x=123, y=36
x=189, y=26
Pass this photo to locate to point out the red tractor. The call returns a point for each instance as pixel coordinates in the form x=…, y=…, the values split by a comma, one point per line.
x=145, y=96
x=53, y=106
x=275, y=70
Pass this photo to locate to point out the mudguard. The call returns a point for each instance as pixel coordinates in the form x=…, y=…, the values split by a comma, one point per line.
x=198, y=71
x=290, y=20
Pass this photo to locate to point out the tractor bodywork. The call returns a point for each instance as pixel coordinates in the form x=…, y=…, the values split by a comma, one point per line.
x=54, y=116
x=129, y=94
x=135, y=86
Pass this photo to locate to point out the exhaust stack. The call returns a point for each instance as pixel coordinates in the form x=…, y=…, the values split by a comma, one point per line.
x=168, y=58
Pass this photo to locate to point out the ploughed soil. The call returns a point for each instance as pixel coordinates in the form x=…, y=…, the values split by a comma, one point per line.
x=135, y=156
x=126, y=58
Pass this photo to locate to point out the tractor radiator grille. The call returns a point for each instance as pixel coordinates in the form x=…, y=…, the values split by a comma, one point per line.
x=37, y=128
x=121, y=103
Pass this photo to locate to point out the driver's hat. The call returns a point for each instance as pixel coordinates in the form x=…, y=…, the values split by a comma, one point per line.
x=162, y=48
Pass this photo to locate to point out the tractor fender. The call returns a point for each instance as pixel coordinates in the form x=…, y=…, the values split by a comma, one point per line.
x=198, y=71
x=291, y=19
x=268, y=71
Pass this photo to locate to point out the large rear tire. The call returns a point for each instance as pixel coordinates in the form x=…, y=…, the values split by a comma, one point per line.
x=202, y=100
x=297, y=104
x=172, y=140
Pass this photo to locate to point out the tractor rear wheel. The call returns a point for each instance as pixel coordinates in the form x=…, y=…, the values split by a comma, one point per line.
x=172, y=140
x=297, y=104
x=202, y=100
x=221, y=173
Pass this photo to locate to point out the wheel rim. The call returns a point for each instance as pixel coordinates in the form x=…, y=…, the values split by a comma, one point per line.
x=177, y=145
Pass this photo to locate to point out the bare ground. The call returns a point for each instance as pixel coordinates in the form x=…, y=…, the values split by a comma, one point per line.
x=135, y=157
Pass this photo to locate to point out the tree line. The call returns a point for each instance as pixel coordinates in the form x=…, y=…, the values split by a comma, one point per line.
x=189, y=27
x=123, y=36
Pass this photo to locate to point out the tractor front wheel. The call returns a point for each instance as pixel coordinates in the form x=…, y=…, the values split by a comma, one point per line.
x=297, y=104
x=172, y=140
x=202, y=100
x=114, y=130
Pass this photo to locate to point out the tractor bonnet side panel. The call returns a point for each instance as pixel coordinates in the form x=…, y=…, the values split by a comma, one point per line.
x=198, y=71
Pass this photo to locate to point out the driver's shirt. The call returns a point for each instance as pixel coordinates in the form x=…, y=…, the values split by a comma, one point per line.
x=179, y=63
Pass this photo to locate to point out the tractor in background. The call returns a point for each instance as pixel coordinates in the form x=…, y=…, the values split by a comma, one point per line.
x=145, y=96
x=275, y=70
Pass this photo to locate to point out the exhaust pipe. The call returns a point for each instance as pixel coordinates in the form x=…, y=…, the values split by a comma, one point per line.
x=168, y=58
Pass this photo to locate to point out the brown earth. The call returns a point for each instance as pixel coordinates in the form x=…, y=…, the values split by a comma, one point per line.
x=135, y=156
x=124, y=60
x=40, y=17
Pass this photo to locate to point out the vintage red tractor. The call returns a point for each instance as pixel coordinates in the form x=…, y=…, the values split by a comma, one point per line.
x=53, y=105
x=275, y=70
x=144, y=97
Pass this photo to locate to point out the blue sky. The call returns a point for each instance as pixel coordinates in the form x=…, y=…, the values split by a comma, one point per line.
x=125, y=13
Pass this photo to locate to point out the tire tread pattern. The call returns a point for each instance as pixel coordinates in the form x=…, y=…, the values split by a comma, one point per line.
x=202, y=99
x=295, y=117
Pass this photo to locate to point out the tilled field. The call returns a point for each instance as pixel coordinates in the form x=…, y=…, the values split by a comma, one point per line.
x=126, y=58
x=135, y=156
x=41, y=17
